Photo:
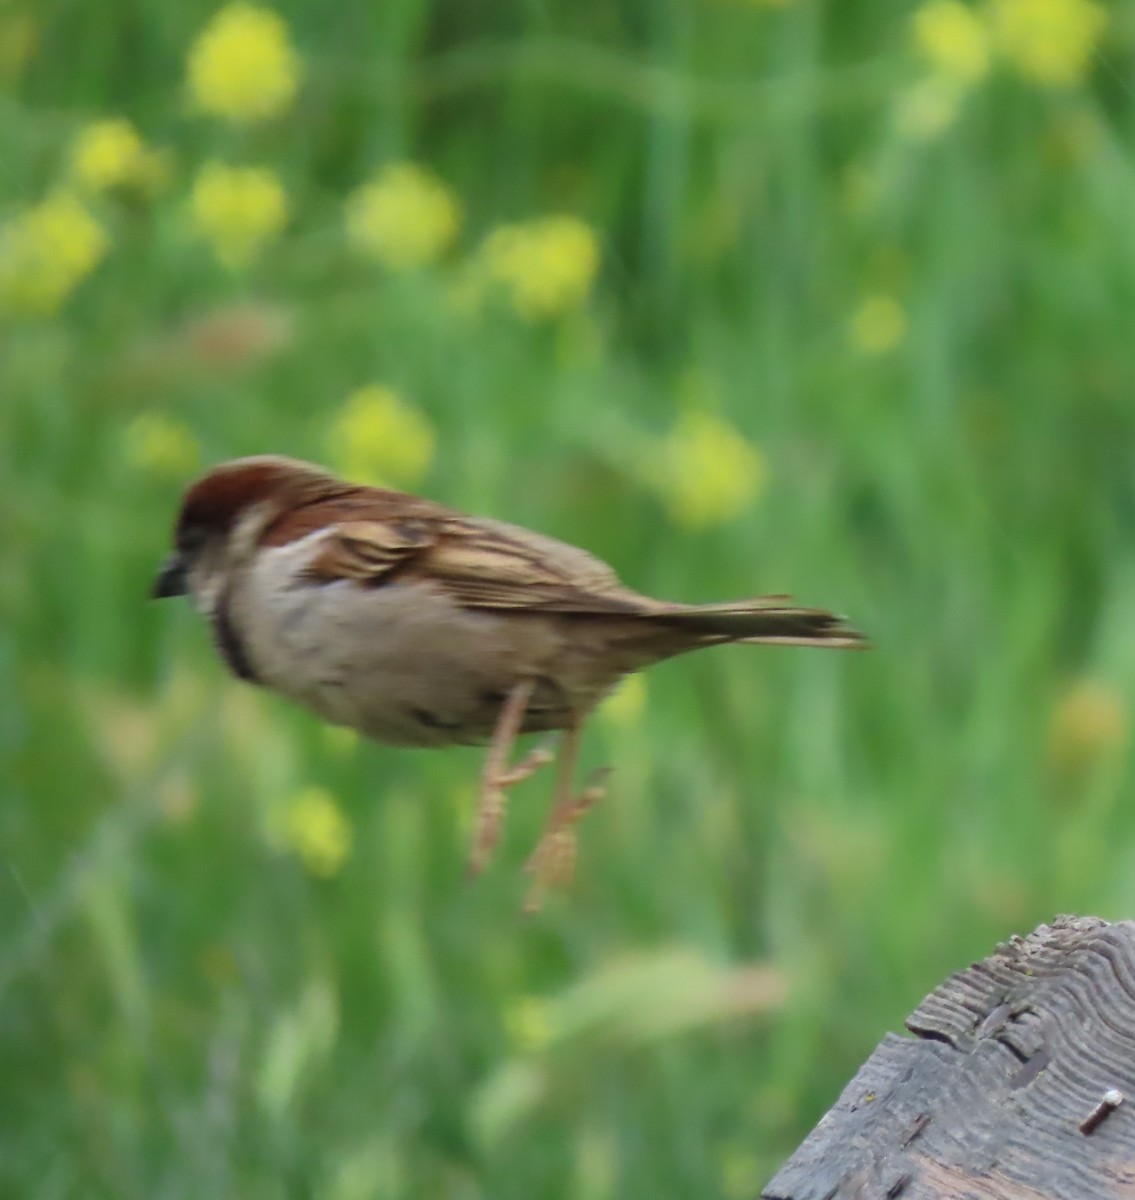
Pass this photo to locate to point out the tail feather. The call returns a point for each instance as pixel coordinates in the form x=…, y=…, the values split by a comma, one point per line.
x=767, y=620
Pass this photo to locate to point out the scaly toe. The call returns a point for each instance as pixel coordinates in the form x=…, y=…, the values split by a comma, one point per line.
x=488, y=835
x=490, y=808
x=541, y=756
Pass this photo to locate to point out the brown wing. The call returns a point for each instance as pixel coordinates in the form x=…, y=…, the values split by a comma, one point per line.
x=383, y=536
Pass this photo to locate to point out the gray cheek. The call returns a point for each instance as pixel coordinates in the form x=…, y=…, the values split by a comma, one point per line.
x=296, y=611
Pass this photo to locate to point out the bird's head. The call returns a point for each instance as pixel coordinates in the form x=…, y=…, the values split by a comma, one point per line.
x=223, y=517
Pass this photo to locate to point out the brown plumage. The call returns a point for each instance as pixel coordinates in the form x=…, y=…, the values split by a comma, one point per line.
x=419, y=625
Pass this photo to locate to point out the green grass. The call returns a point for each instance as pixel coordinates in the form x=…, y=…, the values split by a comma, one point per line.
x=184, y=1009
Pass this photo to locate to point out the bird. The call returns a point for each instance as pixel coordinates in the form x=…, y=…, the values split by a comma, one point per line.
x=418, y=625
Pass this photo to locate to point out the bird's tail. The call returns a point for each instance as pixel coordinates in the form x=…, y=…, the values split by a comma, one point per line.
x=769, y=619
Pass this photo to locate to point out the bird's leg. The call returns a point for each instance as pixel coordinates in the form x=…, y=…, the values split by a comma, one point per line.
x=553, y=861
x=497, y=776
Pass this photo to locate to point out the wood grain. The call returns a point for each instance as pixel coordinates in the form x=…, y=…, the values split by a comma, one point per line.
x=1011, y=1057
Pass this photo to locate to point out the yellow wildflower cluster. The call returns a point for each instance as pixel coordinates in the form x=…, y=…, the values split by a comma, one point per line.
x=952, y=39
x=879, y=324
x=242, y=66
x=109, y=154
x=405, y=217
x=315, y=827
x=161, y=445
x=379, y=438
x=46, y=252
x=705, y=471
x=238, y=210
x=1049, y=41
x=547, y=265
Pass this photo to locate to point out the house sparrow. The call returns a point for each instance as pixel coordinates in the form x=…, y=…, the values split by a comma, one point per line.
x=419, y=626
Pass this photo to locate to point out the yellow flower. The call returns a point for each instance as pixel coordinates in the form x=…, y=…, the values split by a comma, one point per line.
x=379, y=437
x=879, y=324
x=242, y=65
x=548, y=265
x=238, y=209
x=405, y=217
x=1090, y=720
x=705, y=471
x=1049, y=41
x=314, y=826
x=161, y=445
x=952, y=39
x=107, y=154
x=46, y=252
x=626, y=704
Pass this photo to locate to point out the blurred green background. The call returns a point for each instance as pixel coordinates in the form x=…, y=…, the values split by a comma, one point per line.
x=827, y=298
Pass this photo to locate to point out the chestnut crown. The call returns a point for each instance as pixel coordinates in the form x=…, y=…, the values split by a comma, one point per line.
x=216, y=502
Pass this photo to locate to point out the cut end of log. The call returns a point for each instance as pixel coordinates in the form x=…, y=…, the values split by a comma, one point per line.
x=1014, y=1087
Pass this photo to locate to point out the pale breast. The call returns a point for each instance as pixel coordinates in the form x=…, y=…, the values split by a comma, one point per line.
x=401, y=662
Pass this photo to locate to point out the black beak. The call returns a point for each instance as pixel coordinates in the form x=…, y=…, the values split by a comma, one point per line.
x=172, y=579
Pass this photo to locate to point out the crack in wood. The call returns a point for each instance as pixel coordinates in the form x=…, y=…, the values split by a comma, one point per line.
x=1031, y=1069
x=917, y=1126
x=899, y=1186
x=1003, y=1039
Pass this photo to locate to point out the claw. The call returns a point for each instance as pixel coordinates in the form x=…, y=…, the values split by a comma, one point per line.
x=539, y=757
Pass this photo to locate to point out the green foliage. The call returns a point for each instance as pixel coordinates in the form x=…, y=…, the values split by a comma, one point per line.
x=859, y=331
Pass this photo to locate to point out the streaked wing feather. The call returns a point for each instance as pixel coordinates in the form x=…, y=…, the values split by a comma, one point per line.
x=368, y=550
x=492, y=565
x=481, y=563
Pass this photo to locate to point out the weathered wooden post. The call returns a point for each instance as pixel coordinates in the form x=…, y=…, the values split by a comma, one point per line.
x=1019, y=1084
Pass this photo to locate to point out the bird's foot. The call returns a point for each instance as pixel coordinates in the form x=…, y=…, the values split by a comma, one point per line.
x=552, y=863
x=490, y=804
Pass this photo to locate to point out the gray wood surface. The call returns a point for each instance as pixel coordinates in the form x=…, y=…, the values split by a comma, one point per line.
x=1001, y=1094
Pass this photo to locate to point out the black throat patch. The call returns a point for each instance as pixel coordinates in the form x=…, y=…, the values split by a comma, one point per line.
x=228, y=641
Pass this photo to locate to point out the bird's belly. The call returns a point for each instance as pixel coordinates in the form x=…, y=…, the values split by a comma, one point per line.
x=402, y=663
